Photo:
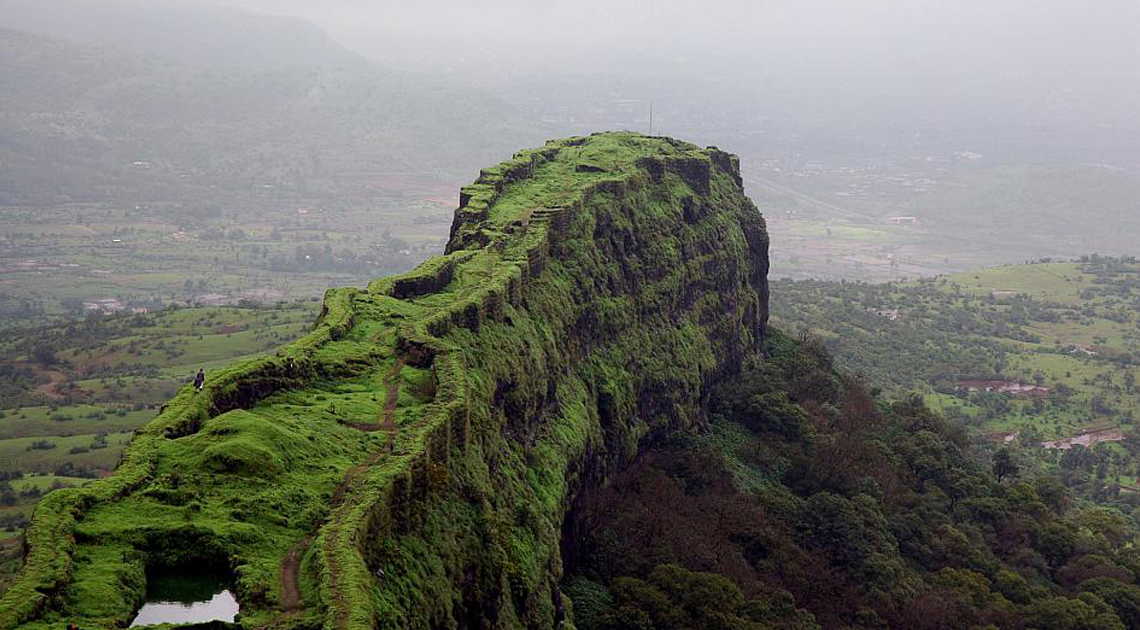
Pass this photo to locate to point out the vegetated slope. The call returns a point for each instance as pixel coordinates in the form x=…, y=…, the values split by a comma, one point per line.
x=812, y=503
x=1067, y=327
x=72, y=394
x=1070, y=324
x=85, y=123
x=410, y=461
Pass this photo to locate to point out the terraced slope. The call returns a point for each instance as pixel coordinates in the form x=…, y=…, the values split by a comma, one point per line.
x=408, y=464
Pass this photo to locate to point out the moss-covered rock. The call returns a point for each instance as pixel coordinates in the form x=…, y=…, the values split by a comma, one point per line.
x=410, y=462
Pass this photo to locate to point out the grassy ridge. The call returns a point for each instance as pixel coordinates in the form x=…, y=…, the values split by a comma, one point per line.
x=493, y=358
x=70, y=419
x=50, y=539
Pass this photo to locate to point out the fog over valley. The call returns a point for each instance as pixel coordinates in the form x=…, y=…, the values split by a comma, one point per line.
x=843, y=113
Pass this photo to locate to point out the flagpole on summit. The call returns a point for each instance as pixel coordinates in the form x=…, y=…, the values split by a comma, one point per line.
x=651, y=117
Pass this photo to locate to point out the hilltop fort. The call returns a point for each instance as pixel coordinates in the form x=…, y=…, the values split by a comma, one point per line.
x=410, y=461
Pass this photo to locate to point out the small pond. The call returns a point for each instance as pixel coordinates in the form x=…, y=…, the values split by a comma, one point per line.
x=186, y=598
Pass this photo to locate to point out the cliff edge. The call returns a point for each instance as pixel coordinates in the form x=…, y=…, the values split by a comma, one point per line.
x=409, y=463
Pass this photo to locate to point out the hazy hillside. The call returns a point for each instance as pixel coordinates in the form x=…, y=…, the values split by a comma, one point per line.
x=83, y=123
x=1076, y=207
x=182, y=33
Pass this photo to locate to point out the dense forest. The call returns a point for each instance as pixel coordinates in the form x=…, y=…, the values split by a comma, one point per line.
x=812, y=502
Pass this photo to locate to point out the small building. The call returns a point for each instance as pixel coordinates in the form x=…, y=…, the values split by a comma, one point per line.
x=909, y=221
x=1085, y=439
x=215, y=299
x=106, y=306
x=888, y=313
x=1013, y=388
x=1003, y=297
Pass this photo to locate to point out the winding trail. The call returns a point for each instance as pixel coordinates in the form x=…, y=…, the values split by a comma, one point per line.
x=388, y=422
x=290, y=575
x=291, y=600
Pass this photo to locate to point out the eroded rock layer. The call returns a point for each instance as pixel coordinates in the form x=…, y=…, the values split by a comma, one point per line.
x=409, y=463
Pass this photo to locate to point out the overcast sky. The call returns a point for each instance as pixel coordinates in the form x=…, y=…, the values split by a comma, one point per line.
x=1026, y=35
x=1065, y=68
x=1010, y=53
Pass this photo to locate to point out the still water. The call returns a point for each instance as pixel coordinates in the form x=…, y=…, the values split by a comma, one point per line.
x=186, y=598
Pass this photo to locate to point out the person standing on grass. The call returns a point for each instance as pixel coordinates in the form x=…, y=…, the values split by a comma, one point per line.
x=199, y=380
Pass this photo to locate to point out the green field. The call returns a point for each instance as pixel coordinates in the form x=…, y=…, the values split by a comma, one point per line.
x=59, y=262
x=1059, y=282
x=76, y=392
x=823, y=229
x=1072, y=328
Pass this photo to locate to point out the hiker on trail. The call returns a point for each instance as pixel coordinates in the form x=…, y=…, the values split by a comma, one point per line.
x=199, y=380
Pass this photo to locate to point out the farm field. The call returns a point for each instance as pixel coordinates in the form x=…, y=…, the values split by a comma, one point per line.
x=834, y=221
x=64, y=262
x=72, y=394
x=1044, y=356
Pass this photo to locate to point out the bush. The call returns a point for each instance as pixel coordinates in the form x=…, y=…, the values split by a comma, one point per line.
x=590, y=601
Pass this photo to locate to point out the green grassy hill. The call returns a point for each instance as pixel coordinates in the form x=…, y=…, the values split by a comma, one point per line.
x=72, y=395
x=577, y=418
x=591, y=291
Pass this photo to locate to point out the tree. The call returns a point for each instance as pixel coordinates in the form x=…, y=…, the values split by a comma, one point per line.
x=1089, y=612
x=1056, y=542
x=1004, y=464
x=675, y=598
x=1124, y=598
x=7, y=494
x=44, y=354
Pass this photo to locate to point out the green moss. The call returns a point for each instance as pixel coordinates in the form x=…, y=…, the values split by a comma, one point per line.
x=591, y=292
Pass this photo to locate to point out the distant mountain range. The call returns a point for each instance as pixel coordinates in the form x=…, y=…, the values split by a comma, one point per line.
x=181, y=33
x=122, y=100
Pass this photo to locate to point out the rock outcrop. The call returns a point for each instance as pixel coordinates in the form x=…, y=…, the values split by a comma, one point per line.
x=409, y=463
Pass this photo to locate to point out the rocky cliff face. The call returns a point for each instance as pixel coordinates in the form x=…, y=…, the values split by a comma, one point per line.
x=409, y=464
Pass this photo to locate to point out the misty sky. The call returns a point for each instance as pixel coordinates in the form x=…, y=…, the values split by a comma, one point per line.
x=1066, y=62
x=1001, y=59
x=1037, y=37
x=1065, y=67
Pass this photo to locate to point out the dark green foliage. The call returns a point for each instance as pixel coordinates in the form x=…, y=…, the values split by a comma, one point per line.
x=674, y=597
x=852, y=533
x=1085, y=612
x=591, y=601
x=1123, y=597
x=865, y=513
x=1004, y=464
